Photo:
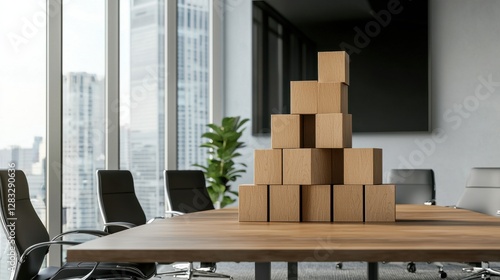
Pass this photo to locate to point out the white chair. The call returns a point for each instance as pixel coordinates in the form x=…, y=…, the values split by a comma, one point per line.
x=482, y=194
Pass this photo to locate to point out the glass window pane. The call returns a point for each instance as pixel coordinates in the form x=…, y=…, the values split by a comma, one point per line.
x=142, y=99
x=22, y=101
x=83, y=111
x=192, y=81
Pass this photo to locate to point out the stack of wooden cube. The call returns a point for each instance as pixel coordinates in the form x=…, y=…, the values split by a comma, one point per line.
x=312, y=173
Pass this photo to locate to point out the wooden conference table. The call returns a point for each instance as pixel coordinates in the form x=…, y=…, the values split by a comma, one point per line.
x=421, y=233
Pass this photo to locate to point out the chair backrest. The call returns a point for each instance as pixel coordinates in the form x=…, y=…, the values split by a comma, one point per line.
x=20, y=220
x=413, y=186
x=186, y=191
x=117, y=199
x=482, y=191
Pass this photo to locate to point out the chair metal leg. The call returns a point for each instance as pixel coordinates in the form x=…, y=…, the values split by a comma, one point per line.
x=187, y=271
x=483, y=272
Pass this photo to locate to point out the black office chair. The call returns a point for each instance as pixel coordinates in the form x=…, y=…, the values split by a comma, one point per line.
x=415, y=186
x=186, y=192
x=120, y=207
x=32, y=242
x=118, y=203
x=482, y=194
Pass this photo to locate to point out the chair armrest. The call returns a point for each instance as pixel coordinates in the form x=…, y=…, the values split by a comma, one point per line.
x=174, y=213
x=98, y=233
x=119, y=224
x=153, y=219
x=44, y=244
x=55, y=242
x=430, y=202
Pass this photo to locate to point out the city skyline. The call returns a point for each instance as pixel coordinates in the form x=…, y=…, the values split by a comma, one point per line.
x=142, y=124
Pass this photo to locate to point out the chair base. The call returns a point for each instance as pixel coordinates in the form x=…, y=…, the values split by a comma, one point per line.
x=484, y=272
x=187, y=271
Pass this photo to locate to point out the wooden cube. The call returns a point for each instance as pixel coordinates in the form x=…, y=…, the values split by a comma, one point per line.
x=252, y=205
x=333, y=67
x=286, y=131
x=363, y=166
x=380, y=203
x=307, y=166
x=348, y=203
x=338, y=166
x=284, y=203
x=308, y=131
x=333, y=130
x=316, y=203
x=332, y=98
x=304, y=97
x=268, y=167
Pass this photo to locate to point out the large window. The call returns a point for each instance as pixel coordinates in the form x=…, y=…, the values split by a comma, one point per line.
x=83, y=111
x=143, y=126
x=192, y=80
x=22, y=101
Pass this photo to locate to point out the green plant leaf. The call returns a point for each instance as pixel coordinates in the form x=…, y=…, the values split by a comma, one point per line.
x=212, y=136
x=215, y=128
x=226, y=201
x=222, y=147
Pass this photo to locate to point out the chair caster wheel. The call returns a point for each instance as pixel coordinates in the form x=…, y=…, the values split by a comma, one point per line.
x=209, y=266
x=411, y=267
x=339, y=266
x=443, y=274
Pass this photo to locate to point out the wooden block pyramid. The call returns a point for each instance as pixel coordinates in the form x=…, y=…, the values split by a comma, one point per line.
x=312, y=173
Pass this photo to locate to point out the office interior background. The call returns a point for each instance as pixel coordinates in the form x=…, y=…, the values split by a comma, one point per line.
x=213, y=76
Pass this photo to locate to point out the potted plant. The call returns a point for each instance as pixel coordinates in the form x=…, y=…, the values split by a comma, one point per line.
x=220, y=169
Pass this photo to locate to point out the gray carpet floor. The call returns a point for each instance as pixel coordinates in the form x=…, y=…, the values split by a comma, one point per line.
x=350, y=271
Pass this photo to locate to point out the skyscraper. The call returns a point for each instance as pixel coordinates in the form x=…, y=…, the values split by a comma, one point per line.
x=192, y=81
x=147, y=103
x=146, y=138
x=83, y=148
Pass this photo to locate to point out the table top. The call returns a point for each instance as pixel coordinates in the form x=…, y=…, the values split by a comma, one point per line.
x=420, y=233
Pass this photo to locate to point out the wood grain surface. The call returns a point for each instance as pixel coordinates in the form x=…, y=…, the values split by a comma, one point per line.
x=363, y=166
x=420, y=233
x=348, y=203
x=316, y=203
x=380, y=203
x=253, y=203
x=333, y=130
x=286, y=131
x=332, y=98
x=333, y=67
x=268, y=167
x=304, y=97
x=284, y=203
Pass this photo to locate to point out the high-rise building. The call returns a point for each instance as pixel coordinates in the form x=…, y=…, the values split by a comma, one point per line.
x=192, y=81
x=83, y=148
x=147, y=103
x=146, y=135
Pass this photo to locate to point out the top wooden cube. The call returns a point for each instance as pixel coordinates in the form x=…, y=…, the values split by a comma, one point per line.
x=304, y=97
x=333, y=67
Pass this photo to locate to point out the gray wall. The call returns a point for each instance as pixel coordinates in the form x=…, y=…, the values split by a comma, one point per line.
x=465, y=94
